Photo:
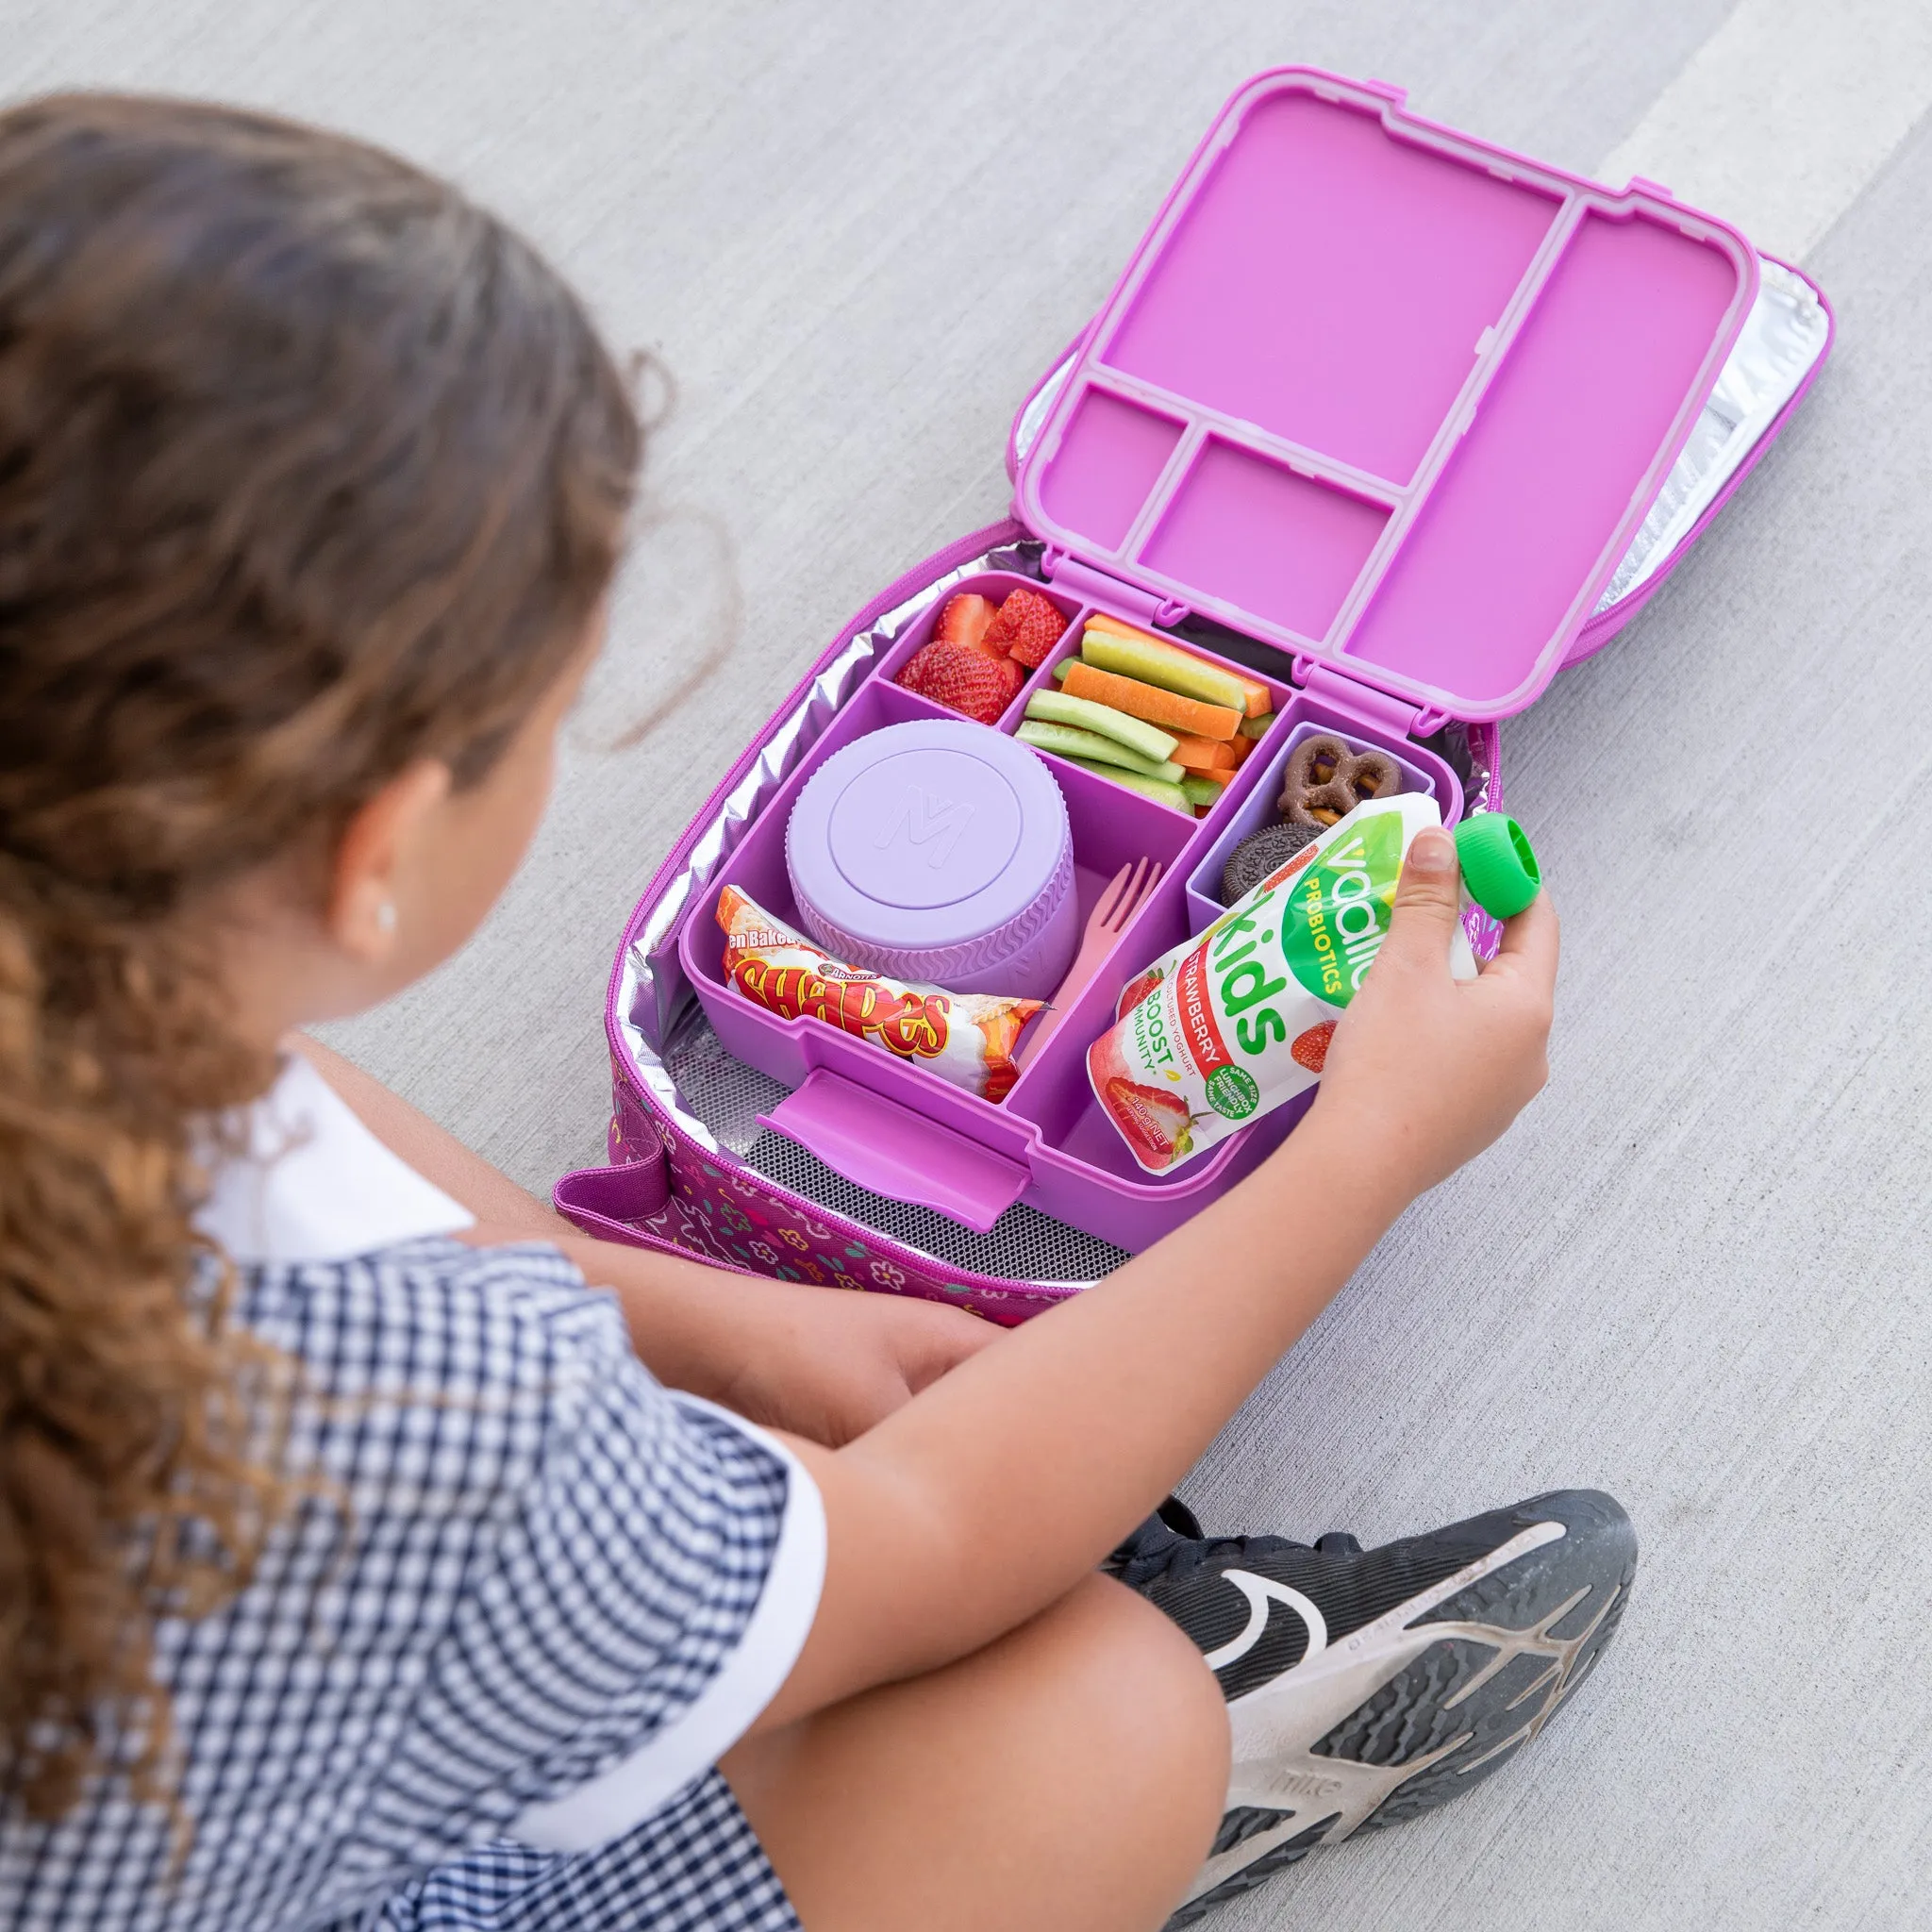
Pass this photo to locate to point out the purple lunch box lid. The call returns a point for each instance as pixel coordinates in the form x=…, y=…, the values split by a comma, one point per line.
x=924, y=839
x=1389, y=398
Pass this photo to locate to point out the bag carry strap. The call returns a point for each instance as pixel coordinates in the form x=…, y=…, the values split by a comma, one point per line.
x=607, y=1203
x=604, y=1201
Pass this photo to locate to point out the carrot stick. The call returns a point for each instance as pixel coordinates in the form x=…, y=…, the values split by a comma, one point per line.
x=1260, y=699
x=1206, y=754
x=1163, y=708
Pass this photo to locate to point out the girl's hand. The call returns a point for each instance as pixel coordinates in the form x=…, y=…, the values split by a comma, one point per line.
x=828, y=1363
x=1425, y=1071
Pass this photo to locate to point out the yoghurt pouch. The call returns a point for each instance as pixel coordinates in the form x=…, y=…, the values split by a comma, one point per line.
x=1237, y=1021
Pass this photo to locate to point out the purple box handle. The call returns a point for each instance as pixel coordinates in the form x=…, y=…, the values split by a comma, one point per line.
x=879, y=1144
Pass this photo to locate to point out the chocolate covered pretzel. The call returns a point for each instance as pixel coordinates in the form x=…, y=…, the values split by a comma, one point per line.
x=1325, y=781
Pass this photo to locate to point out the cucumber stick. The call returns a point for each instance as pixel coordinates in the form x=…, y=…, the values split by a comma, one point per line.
x=1202, y=791
x=1068, y=742
x=1056, y=708
x=1160, y=664
x=1253, y=727
x=1156, y=788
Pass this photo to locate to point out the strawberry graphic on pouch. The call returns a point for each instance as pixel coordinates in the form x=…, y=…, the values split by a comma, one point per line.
x=1158, y=1123
x=1311, y=1048
x=1137, y=990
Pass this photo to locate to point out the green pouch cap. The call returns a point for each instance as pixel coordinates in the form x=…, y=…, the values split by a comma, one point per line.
x=1498, y=865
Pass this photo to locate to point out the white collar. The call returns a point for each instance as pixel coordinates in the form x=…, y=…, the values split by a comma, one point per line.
x=316, y=1185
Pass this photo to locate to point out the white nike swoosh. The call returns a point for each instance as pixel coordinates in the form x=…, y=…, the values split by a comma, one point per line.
x=1260, y=1591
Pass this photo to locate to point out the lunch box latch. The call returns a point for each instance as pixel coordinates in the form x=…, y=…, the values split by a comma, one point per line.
x=1349, y=696
x=877, y=1143
x=1079, y=579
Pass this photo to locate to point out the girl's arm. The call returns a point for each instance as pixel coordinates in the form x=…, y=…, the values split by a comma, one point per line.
x=821, y=1365
x=987, y=1498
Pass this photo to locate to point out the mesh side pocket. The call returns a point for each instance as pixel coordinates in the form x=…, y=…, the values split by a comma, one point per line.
x=1022, y=1245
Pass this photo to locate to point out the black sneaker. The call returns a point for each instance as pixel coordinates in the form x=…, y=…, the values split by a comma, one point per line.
x=1369, y=1686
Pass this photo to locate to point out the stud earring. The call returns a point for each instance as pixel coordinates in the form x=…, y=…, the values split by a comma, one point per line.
x=386, y=916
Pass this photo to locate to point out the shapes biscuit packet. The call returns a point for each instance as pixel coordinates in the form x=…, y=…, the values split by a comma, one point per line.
x=965, y=1038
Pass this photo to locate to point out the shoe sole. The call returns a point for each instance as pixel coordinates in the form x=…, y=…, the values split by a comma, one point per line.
x=1426, y=1702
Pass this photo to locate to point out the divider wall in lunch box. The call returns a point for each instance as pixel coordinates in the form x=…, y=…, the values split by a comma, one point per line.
x=1385, y=403
x=889, y=1123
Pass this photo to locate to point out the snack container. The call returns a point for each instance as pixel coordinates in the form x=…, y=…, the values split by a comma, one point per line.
x=1392, y=420
x=939, y=852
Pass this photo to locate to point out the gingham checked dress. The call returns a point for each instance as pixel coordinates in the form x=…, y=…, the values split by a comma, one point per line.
x=527, y=1601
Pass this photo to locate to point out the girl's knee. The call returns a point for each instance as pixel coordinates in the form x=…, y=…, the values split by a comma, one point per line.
x=1166, y=1725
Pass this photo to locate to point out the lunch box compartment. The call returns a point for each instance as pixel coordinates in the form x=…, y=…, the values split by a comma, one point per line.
x=1112, y=454
x=1615, y=335
x=1069, y=1160
x=1421, y=771
x=1069, y=646
x=1286, y=545
x=995, y=585
x=1109, y=826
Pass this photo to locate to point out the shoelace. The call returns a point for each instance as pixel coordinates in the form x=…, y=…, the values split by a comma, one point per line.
x=1171, y=1543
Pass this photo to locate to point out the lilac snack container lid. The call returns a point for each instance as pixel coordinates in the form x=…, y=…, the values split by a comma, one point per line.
x=934, y=851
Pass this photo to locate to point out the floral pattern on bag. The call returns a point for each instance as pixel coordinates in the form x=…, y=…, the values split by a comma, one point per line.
x=724, y=1213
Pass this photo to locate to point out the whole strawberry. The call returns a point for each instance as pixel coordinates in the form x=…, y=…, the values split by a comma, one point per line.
x=1026, y=628
x=962, y=679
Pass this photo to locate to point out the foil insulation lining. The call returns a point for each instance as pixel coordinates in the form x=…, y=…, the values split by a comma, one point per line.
x=1782, y=339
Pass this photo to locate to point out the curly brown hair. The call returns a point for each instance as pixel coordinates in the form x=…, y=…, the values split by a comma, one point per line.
x=308, y=470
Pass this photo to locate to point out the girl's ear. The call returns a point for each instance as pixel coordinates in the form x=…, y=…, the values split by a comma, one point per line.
x=365, y=909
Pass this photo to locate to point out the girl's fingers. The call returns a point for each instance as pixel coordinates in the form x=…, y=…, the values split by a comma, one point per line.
x=1532, y=940
x=1427, y=904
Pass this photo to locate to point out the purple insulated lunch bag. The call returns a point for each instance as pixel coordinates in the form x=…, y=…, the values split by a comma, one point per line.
x=1391, y=419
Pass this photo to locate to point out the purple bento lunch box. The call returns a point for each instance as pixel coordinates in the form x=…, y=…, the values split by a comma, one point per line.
x=1392, y=420
x=938, y=852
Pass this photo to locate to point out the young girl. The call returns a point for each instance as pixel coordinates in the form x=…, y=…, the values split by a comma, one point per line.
x=358, y=1565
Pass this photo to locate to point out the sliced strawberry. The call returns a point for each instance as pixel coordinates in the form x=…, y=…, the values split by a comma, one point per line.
x=1311, y=1048
x=965, y=621
x=1157, y=1124
x=962, y=679
x=1028, y=628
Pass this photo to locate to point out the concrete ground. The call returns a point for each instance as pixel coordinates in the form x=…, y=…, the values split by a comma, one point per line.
x=1697, y=1273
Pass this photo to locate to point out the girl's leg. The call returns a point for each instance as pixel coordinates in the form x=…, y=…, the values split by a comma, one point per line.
x=1069, y=1776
